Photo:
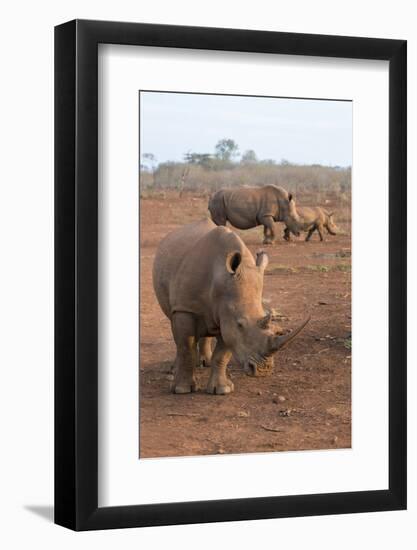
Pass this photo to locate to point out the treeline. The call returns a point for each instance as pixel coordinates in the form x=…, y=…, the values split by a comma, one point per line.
x=207, y=173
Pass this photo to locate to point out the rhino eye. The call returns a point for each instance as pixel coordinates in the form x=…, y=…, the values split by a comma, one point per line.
x=241, y=323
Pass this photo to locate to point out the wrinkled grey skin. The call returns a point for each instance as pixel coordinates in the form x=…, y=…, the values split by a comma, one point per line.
x=308, y=219
x=209, y=285
x=248, y=207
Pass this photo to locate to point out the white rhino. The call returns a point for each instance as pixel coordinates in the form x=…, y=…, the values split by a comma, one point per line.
x=209, y=285
x=308, y=219
x=247, y=207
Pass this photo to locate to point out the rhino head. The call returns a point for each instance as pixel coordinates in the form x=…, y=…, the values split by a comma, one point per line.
x=330, y=225
x=250, y=332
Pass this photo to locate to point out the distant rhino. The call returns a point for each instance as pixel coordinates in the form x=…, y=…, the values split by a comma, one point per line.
x=308, y=219
x=248, y=207
x=208, y=284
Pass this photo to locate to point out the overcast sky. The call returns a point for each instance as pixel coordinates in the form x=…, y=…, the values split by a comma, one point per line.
x=298, y=130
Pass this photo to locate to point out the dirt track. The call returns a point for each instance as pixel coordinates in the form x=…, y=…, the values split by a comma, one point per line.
x=305, y=404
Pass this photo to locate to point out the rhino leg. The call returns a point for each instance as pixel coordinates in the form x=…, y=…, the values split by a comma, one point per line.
x=269, y=233
x=183, y=329
x=310, y=232
x=320, y=231
x=287, y=234
x=219, y=383
x=204, y=352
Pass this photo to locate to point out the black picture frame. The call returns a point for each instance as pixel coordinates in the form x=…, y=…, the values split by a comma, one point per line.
x=76, y=272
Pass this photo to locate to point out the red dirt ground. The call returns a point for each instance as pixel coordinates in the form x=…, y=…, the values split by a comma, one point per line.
x=306, y=403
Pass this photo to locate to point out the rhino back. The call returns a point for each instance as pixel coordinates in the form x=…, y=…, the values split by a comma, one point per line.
x=310, y=214
x=246, y=206
x=199, y=285
x=187, y=276
x=169, y=255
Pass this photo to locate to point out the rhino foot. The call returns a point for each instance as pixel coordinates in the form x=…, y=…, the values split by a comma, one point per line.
x=184, y=386
x=219, y=385
x=267, y=241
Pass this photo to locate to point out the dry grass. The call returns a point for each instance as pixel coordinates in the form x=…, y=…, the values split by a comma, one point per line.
x=320, y=181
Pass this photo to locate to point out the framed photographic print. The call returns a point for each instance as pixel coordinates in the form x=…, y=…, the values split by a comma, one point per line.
x=230, y=247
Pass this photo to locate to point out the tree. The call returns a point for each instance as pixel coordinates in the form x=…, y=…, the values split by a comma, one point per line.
x=150, y=161
x=226, y=149
x=249, y=157
x=202, y=159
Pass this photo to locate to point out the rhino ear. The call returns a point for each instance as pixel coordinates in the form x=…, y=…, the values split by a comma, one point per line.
x=262, y=259
x=233, y=261
x=290, y=197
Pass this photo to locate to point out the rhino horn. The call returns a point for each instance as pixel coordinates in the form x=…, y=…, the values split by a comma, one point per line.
x=280, y=342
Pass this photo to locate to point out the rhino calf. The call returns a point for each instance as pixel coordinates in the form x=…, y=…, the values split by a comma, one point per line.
x=248, y=207
x=208, y=284
x=308, y=219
